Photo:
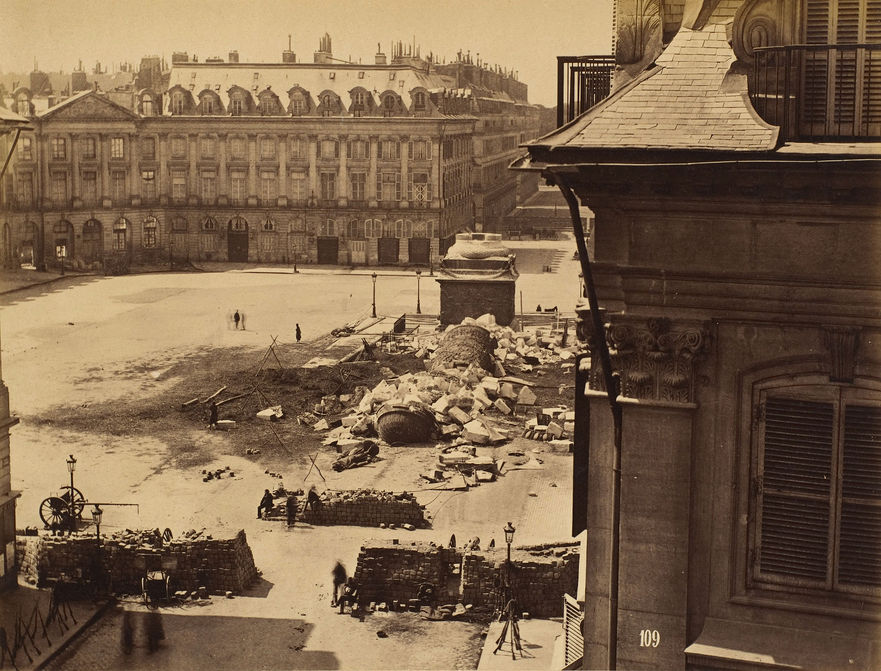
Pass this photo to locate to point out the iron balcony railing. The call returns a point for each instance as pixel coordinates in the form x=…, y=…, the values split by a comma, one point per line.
x=819, y=91
x=582, y=82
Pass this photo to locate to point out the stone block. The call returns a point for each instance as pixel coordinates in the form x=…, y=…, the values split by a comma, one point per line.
x=526, y=396
x=502, y=407
x=506, y=390
x=458, y=415
x=476, y=432
x=555, y=430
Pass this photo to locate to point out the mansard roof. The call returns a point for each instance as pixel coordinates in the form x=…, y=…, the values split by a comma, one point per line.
x=338, y=78
x=689, y=99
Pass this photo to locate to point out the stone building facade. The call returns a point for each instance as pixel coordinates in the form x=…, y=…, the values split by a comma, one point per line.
x=730, y=487
x=327, y=162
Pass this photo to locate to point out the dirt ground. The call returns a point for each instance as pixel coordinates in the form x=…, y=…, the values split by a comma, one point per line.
x=100, y=367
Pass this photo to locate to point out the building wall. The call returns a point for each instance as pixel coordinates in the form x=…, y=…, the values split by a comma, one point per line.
x=714, y=298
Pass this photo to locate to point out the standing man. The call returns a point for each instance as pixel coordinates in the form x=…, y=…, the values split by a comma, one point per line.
x=236, y=317
x=339, y=579
x=212, y=416
x=265, y=503
x=291, y=509
x=299, y=335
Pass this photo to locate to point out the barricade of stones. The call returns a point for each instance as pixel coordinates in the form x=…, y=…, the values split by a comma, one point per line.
x=388, y=572
x=218, y=565
x=366, y=508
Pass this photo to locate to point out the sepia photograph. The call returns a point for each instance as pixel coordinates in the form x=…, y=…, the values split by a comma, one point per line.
x=440, y=335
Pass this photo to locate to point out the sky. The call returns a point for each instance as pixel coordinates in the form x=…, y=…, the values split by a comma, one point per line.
x=520, y=35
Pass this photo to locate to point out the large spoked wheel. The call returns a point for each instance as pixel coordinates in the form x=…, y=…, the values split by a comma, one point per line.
x=55, y=512
x=79, y=501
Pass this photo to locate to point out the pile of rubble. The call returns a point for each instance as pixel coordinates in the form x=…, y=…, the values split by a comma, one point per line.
x=466, y=402
x=366, y=507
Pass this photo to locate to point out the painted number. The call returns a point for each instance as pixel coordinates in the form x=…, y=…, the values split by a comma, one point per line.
x=649, y=638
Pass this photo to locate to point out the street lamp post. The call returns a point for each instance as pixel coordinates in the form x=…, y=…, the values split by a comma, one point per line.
x=374, y=294
x=418, y=297
x=511, y=627
x=71, y=467
x=509, y=538
x=96, y=518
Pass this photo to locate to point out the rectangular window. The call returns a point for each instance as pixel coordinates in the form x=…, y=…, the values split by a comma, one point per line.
x=59, y=188
x=419, y=150
x=148, y=185
x=237, y=147
x=267, y=148
x=328, y=185
x=818, y=489
x=299, y=187
x=358, y=186
x=358, y=149
x=25, y=148
x=329, y=149
x=268, y=190
x=150, y=236
x=25, y=187
x=238, y=187
x=148, y=148
x=235, y=106
x=209, y=186
x=388, y=187
x=179, y=186
x=390, y=150
x=420, y=187
x=117, y=147
x=298, y=148
x=177, y=104
x=59, y=148
x=207, y=147
x=178, y=146
x=208, y=241
x=90, y=187
x=117, y=186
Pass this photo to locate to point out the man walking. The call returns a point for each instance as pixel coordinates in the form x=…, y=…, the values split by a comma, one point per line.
x=236, y=317
x=339, y=579
x=299, y=335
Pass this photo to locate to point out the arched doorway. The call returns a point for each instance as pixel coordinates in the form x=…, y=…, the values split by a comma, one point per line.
x=93, y=242
x=388, y=246
x=237, y=239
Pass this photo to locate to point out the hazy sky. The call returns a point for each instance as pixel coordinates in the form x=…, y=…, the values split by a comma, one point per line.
x=521, y=35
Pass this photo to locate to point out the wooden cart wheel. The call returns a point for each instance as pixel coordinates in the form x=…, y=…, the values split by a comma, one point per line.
x=55, y=512
x=79, y=501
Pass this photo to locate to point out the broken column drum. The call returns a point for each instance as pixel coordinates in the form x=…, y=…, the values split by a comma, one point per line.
x=463, y=345
x=403, y=424
x=477, y=276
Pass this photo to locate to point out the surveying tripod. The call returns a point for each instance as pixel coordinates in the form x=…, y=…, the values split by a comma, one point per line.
x=511, y=626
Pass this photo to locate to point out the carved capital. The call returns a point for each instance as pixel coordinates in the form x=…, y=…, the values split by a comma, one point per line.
x=654, y=358
x=842, y=343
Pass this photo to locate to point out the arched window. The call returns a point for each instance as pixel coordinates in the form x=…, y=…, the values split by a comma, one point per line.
x=356, y=229
x=178, y=102
x=327, y=228
x=373, y=228
x=388, y=105
x=419, y=101
x=209, y=224
x=268, y=225
x=298, y=105
x=147, y=105
x=150, y=228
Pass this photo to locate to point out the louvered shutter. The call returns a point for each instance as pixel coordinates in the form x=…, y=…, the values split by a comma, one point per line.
x=859, y=554
x=795, y=489
x=872, y=71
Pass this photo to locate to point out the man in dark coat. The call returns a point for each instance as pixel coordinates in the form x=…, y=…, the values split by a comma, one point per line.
x=339, y=579
x=265, y=503
x=236, y=317
x=298, y=333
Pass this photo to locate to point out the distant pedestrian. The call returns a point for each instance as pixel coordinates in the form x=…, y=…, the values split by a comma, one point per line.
x=212, y=415
x=299, y=335
x=243, y=321
x=127, y=641
x=538, y=308
x=265, y=503
x=339, y=579
x=236, y=318
x=290, y=507
x=453, y=540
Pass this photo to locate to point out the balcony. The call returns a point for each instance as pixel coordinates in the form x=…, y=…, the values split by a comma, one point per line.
x=819, y=92
x=582, y=82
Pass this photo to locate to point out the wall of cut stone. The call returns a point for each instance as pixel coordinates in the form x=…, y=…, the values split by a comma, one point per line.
x=389, y=572
x=219, y=565
x=368, y=509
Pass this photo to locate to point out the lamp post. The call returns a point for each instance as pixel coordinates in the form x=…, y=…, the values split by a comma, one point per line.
x=96, y=518
x=374, y=294
x=509, y=538
x=418, y=298
x=71, y=467
x=511, y=627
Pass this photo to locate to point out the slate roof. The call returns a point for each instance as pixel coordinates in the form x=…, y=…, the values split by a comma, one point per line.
x=689, y=100
x=314, y=78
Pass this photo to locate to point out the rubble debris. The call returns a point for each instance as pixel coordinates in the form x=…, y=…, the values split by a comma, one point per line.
x=272, y=413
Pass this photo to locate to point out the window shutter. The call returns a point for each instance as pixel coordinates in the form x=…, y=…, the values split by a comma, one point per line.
x=860, y=543
x=796, y=467
x=410, y=150
x=378, y=185
x=348, y=149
